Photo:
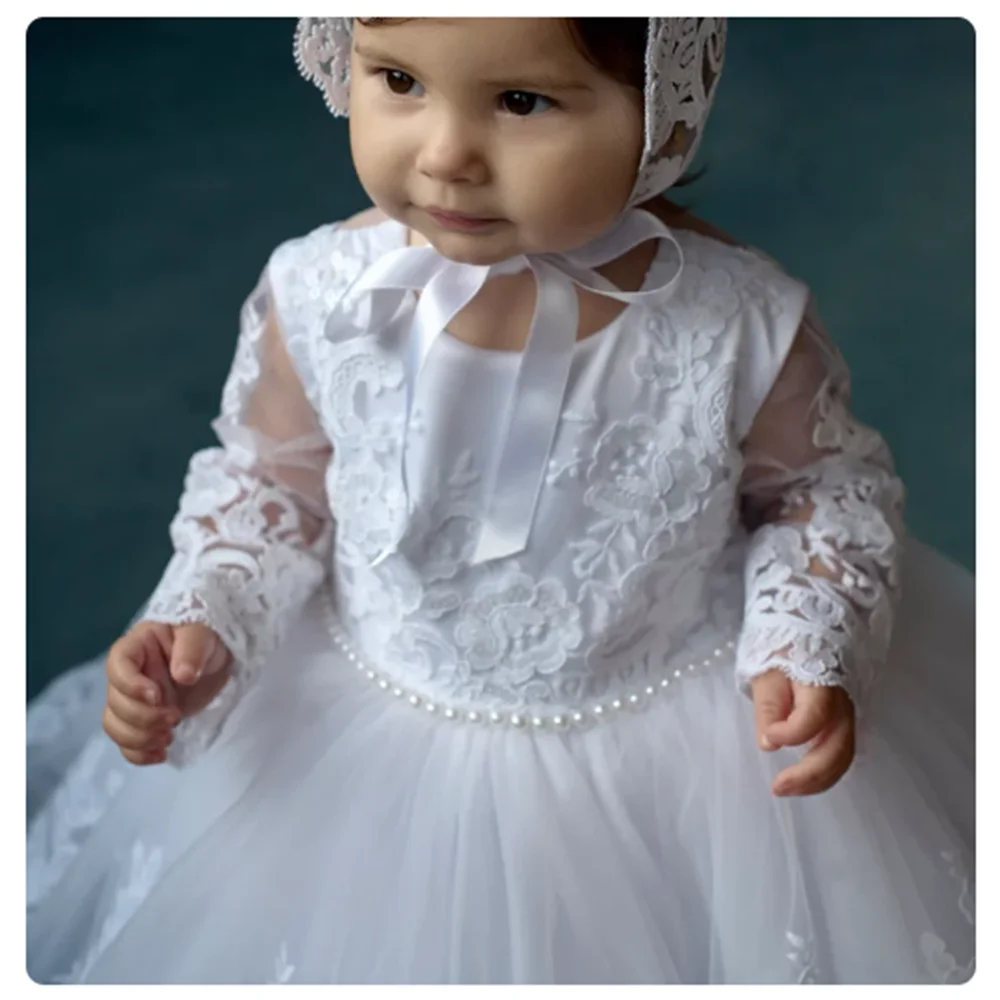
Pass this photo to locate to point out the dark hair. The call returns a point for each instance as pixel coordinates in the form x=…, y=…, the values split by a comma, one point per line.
x=617, y=47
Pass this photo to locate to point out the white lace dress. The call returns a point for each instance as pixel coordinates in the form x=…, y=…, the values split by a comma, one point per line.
x=540, y=768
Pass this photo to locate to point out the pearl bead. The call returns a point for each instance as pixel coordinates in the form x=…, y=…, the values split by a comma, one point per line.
x=576, y=717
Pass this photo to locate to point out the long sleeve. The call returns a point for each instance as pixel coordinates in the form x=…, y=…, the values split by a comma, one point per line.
x=824, y=507
x=253, y=532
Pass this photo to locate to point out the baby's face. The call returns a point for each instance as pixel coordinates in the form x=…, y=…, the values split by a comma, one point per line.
x=497, y=119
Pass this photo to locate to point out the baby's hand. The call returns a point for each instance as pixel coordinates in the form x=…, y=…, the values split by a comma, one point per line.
x=151, y=686
x=789, y=714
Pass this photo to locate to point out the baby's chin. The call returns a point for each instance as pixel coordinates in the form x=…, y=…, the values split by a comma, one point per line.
x=480, y=250
x=502, y=244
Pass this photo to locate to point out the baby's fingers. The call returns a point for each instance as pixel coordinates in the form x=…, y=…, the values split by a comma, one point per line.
x=810, y=715
x=823, y=765
x=132, y=738
x=139, y=714
x=125, y=673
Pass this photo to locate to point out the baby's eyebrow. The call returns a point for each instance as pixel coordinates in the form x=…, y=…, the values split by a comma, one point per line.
x=536, y=82
x=373, y=55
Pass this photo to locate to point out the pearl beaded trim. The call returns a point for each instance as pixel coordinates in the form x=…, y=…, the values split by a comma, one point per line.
x=585, y=715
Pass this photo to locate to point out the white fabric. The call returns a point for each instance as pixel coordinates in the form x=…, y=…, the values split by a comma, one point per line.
x=684, y=57
x=336, y=835
x=526, y=425
x=629, y=572
x=566, y=786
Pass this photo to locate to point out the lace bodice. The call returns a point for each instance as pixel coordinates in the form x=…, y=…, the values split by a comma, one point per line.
x=706, y=478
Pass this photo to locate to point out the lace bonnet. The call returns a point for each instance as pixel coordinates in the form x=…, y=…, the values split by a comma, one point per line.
x=684, y=58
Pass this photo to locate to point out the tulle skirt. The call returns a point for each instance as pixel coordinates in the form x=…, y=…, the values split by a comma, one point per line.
x=336, y=835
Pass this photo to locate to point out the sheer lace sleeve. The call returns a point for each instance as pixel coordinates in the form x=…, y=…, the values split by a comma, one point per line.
x=824, y=506
x=252, y=534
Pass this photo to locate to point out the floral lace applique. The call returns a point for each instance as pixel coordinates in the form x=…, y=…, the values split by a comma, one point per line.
x=283, y=969
x=941, y=963
x=517, y=627
x=802, y=957
x=821, y=573
x=77, y=804
x=143, y=871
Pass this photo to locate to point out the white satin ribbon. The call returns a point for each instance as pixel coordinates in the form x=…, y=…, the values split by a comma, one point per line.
x=529, y=423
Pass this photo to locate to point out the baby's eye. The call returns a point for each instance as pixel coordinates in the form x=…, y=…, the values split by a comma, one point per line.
x=523, y=102
x=398, y=82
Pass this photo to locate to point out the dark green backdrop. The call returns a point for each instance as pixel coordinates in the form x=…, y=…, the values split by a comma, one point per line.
x=167, y=158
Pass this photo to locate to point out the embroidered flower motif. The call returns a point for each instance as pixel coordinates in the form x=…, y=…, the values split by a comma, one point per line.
x=627, y=477
x=350, y=389
x=664, y=370
x=520, y=626
x=444, y=527
x=706, y=301
x=283, y=969
x=645, y=478
x=713, y=407
x=76, y=806
x=368, y=504
x=802, y=956
x=143, y=872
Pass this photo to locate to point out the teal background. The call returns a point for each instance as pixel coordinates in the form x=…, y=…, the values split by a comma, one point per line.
x=166, y=159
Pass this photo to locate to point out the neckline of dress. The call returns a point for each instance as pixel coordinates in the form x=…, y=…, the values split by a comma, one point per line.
x=398, y=234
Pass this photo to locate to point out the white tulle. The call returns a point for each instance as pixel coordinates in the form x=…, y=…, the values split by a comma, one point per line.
x=337, y=834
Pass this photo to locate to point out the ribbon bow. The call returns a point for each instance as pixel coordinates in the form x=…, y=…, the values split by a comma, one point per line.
x=529, y=424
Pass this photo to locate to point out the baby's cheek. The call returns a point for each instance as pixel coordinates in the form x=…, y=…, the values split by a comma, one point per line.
x=376, y=158
x=566, y=215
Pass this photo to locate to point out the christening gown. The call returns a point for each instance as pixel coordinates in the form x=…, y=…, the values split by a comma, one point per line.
x=429, y=767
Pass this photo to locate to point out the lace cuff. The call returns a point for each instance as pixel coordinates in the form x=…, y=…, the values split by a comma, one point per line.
x=253, y=533
x=825, y=510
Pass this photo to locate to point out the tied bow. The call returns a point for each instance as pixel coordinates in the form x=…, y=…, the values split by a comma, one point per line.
x=528, y=425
